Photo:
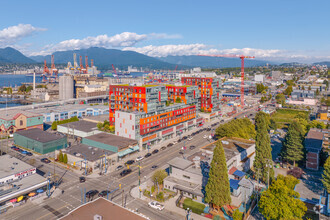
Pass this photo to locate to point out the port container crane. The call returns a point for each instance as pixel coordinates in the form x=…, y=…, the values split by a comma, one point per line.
x=242, y=57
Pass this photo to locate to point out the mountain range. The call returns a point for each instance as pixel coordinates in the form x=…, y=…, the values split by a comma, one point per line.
x=104, y=58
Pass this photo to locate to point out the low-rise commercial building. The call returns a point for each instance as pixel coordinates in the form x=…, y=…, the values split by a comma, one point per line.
x=17, y=178
x=120, y=145
x=40, y=141
x=16, y=120
x=79, y=128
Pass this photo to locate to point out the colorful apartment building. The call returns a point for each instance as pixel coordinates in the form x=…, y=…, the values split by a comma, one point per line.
x=139, y=98
x=209, y=89
x=151, y=128
x=187, y=94
x=15, y=120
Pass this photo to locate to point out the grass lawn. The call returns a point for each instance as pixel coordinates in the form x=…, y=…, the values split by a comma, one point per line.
x=195, y=207
x=283, y=117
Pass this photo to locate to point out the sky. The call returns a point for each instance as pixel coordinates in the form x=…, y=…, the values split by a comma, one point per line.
x=278, y=30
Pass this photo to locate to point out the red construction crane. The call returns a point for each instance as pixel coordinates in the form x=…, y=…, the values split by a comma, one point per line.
x=53, y=69
x=114, y=70
x=242, y=57
x=175, y=68
x=86, y=62
x=92, y=62
x=46, y=71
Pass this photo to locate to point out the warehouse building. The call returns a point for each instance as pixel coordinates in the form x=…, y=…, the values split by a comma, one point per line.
x=119, y=145
x=79, y=128
x=40, y=141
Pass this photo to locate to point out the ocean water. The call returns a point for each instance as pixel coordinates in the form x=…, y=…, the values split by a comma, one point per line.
x=16, y=80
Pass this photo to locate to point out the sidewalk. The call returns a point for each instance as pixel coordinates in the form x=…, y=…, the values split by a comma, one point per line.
x=169, y=204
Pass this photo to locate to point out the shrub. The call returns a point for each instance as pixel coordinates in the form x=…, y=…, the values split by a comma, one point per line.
x=160, y=196
x=195, y=207
x=65, y=158
x=152, y=189
x=146, y=193
x=237, y=215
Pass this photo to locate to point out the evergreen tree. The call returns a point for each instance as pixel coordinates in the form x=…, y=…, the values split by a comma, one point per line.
x=293, y=148
x=60, y=156
x=65, y=158
x=217, y=189
x=263, y=158
x=326, y=175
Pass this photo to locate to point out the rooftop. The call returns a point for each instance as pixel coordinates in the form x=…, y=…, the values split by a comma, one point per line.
x=314, y=139
x=113, y=140
x=69, y=108
x=39, y=135
x=10, y=165
x=104, y=208
x=14, y=113
x=92, y=153
x=82, y=125
x=232, y=146
x=309, y=190
x=180, y=163
x=97, y=118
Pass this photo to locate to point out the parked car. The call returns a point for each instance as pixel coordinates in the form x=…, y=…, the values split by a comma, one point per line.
x=205, y=136
x=192, y=147
x=156, y=205
x=103, y=193
x=29, y=154
x=20, y=150
x=155, y=151
x=129, y=162
x=139, y=158
x=175, y=142
x=120, y=167
x=147, y=155
x=125, y=172
x=179, y=140
x=170, y=145
x=82, y=179
x=45, y=160
x=184, y=137
x=13, y=147
x=91, y=193
x=24, y=152
x=163, y=148
x=154, y=167
x=181, y=152
x=190, y=138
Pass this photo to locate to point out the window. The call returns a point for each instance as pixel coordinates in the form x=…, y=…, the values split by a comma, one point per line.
x=130, y=117
x=133, y=127
x=21, y=122
x=120, y=124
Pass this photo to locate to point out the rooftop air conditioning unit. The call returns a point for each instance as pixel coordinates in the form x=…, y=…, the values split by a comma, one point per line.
x=98, y=217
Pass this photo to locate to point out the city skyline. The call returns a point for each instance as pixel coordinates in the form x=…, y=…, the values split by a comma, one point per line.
x=276, y=31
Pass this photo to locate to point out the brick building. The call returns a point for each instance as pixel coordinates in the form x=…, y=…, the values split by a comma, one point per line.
x=313, y=145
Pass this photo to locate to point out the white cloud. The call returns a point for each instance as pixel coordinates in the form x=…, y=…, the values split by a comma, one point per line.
x=164, y=36
x=194, y=49
x=13, y=34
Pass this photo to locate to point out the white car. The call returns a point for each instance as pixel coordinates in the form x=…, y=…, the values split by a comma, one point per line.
x=175, y=142
x=205, y=136
x=190, y=138
x=156, y=205
x=139, y=158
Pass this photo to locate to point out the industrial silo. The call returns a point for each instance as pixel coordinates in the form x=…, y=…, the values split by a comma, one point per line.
x=66, y=87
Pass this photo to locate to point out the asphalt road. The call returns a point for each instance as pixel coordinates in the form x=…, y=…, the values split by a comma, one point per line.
x=54, y=208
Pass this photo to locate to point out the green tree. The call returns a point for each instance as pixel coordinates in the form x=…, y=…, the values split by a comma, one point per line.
x=22, y=88
x=316, y=124
x=178, y=100
x=65, y=158
x=288, y=90
x=309, y=88
x=280, y=99
x=303, y=87
x=240, y=128
x=293, y=148
x=106, y=123
x=326, y=175
x=217, y=190
x=29, y=88
x=317, y=92
x=237, y=215
x=99, y=125
x=263, y=158
x=281, y=202
x=54, y=125
x=158, y=177
x=60, y=156
x=112, y=129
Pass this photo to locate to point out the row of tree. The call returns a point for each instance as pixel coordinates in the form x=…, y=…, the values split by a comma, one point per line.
x=62, y=157
x=240, y=128
x=55, y=123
